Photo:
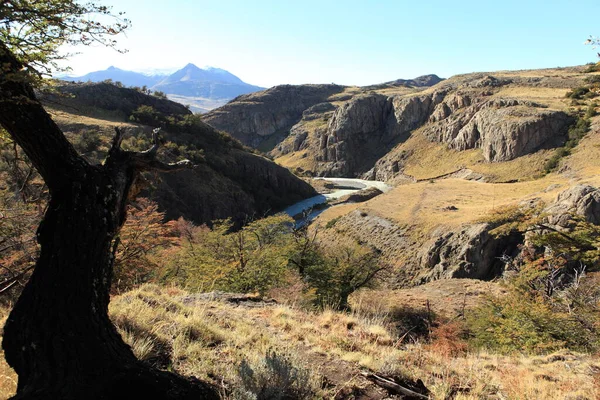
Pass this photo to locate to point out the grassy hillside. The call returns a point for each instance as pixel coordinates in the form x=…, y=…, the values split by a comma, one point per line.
x=330, y=353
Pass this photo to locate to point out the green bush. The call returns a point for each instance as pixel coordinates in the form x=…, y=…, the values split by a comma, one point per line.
x=520, y=323
x=551, y=302
x=87, y=141
x=159, y=94
x=577, y=93
x=251, y=259
x=331, y=223
x=553, y=161
x=147, y=115
x=592, y=67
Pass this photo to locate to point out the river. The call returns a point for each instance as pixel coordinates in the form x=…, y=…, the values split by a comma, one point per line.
x=343, y=187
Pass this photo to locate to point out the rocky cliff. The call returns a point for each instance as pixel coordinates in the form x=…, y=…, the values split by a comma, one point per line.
x=503, y=128
x=353, y=133
x=254, y=118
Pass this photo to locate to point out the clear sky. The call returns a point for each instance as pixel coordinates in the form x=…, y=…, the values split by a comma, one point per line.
x=349, y=42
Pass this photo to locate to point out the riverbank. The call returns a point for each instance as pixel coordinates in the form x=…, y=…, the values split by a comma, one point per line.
x=336, y=188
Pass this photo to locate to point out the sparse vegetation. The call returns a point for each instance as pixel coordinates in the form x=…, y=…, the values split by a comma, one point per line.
x=592, y=67
x=576, y=132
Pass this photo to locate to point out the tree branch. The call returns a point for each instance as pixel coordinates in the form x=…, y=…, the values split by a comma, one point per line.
x=393, y=386
x=582, y=246
x=30, y=126
x=147, y=161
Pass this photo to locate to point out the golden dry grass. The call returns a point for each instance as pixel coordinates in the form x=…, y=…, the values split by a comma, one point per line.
x=8, y=378
x=209, y=339
x=422, y=204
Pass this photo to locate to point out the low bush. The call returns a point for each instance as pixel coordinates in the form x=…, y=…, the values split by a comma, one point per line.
x=276, y=377
x=577, y=93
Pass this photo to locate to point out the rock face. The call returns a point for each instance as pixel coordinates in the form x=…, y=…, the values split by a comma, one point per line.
x=252, y=118
x=358, y=132
x=583, y=200
x=326, y=130
x=467, y=252
x=503, y=128
x=234, y=184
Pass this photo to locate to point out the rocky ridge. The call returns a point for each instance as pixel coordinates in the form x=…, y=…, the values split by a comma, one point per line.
x=359, y=132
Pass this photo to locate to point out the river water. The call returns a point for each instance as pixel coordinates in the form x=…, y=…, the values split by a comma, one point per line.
x=343, y=187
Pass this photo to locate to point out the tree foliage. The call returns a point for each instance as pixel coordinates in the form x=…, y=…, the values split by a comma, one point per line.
x=34, y=30
x=266, y=254
x=252, y=259
x=593, y=41
x=553, y=296
x=142, y=239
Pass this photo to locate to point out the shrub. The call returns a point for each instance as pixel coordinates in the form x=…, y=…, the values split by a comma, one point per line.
x=251, y=259
x=331, y=223
x=554, y=161
x=448, y=339
x=274, y=378
x=87, y=141
x=592, y=67
x=577, y=93
x=551, y=302
x=147, y=115
x=159, y=94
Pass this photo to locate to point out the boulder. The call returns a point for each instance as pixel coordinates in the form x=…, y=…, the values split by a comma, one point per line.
x=466, y=252
x=583, y=200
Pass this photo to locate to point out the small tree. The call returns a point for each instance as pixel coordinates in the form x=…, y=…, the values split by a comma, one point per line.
x=340, y=271
x=142, y=239
x=253, y=258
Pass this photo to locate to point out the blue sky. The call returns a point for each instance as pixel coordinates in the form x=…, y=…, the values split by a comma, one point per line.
x=349, y=42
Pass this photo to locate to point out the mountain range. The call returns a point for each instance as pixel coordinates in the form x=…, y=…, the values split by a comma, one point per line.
x=200, y=88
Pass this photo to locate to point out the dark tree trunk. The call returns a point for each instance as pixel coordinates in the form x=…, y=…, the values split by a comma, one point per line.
x=58, y=338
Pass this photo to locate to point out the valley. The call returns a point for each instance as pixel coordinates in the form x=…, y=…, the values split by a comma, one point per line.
x=413, y=176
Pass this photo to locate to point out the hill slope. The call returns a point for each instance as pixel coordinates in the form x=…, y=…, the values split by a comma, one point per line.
x=229, y=181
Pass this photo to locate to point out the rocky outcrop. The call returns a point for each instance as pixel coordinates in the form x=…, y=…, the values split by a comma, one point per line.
x=582, y=200
x=252, y=118
x=360, y=196
x=362, y=130
x=466, y=252
x=421, y=81
x=503, y=128
x=356, y=131
x=230, y=184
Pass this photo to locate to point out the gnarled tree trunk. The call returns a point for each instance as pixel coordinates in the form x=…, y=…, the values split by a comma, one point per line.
x=58, y=338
